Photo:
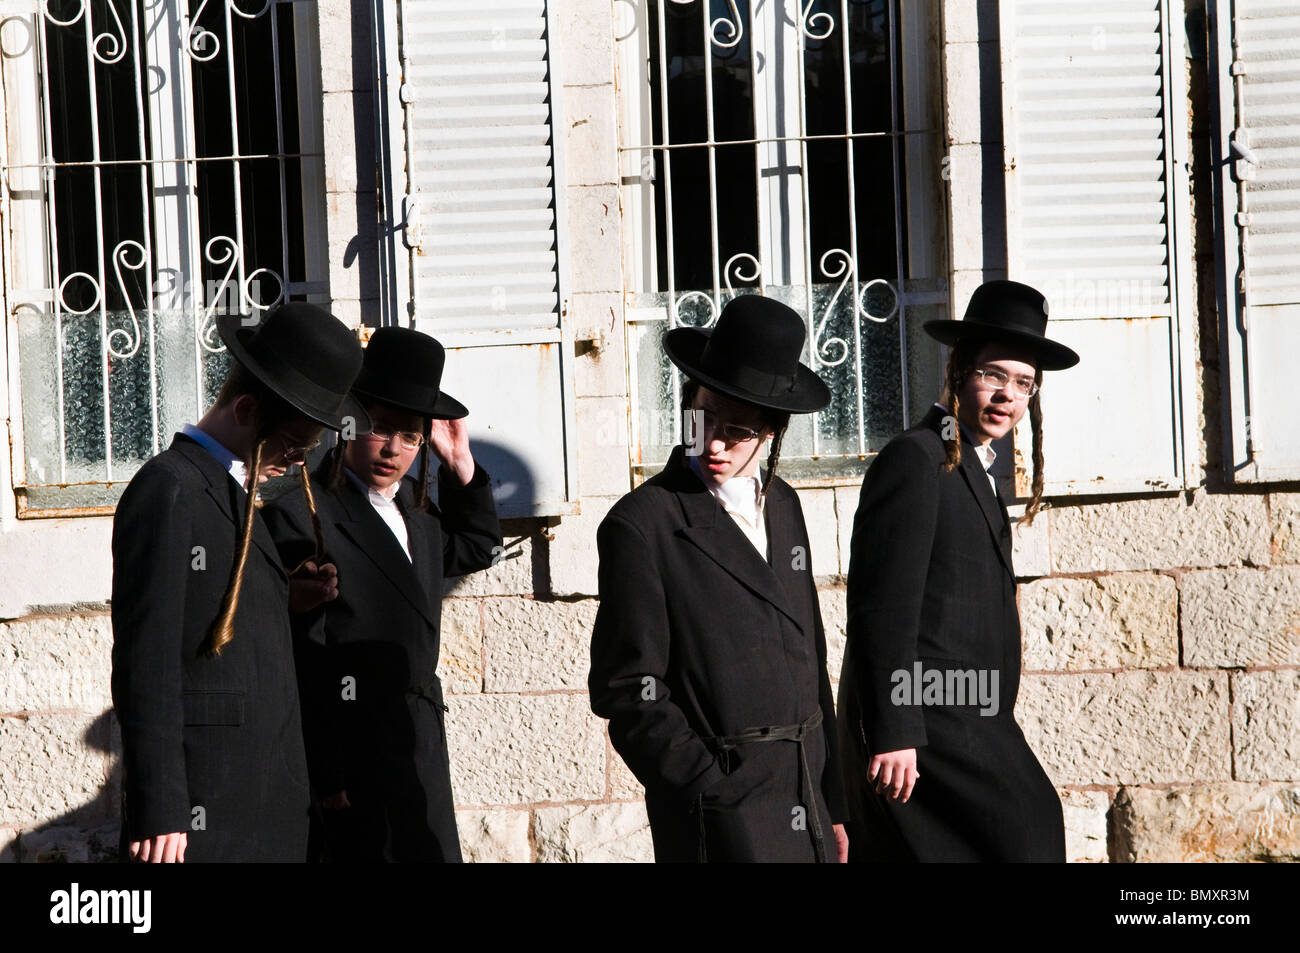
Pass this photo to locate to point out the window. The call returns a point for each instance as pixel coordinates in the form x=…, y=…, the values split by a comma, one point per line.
x=1254, y=57
x=791, y=149
x=162, y=165
x=472, y=241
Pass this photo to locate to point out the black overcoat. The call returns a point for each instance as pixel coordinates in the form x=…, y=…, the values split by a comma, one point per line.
x=698, y=637
x=931, y=582
x=372, y=704
x=211, y=746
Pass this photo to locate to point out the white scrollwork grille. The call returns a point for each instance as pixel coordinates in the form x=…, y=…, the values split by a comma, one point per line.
x=787, y=148
x=160, y=168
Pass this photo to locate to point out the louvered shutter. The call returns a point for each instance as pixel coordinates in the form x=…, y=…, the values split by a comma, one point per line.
x=475, y=158
x=1256, y=72
x=1096, y=220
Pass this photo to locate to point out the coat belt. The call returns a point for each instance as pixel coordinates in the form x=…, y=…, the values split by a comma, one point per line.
x=797, y=734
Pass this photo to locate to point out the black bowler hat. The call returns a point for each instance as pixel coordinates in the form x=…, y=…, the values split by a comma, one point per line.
x=1009, y=312
x=404, y=368
x=751, y=354
x=305, y=355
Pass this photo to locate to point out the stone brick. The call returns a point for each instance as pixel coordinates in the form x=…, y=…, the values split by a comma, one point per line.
x=584, y=38
x=57, y=662
x=1129, y=728
x=1228, y=822
x=960, y=21
x=1085, y=825
x=513, y=749
x=573, y=558
x=80, y=548
x=846, y=506
x=595, y=250
x=460, y=661
x=533, y=646
x=1122, y=621
x=344, y=34
x=965, y=186
x=511, y=576
x=599, y=372
x=1284, y=520
x=591, y=135
x=342, y=114
x=1161, y=533
x=593, y=833
x=835, y=618
x=54, y=768
x=603, y=468
x=9, y=847
x=494, y=836
x=1030, y=553
x=964, y=122
x=622, y=784
x=1241, y=617
x=823, y=531
x=70, y=845
x=1266, y=725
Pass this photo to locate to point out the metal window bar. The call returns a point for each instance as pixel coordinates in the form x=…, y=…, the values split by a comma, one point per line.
x=112, y=30
x=840, y=265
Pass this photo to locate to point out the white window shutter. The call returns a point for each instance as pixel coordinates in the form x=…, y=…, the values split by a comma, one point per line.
x=476, y=175
x=1256, y=72
x=1097, y=219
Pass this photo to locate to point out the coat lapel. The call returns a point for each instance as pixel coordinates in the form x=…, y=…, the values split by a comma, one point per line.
x=427, y=562
x=372, y=536
x=994, y=513
x=716, y=534
x=230, y=499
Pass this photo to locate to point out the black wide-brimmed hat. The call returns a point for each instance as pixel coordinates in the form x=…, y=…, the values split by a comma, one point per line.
x=403, y=368
x=1011, y=313
x=305, y=355
x=751, y=354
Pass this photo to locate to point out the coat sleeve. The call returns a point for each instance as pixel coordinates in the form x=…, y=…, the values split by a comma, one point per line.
x=893, y=535
x=630, y=647
x=152, y=560
x=318, y=681
x=471, y=533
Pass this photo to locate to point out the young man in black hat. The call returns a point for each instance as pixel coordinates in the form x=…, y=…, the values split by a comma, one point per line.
x=372, y=703
x=203, y=675
x=936, y=766
x=708, y=655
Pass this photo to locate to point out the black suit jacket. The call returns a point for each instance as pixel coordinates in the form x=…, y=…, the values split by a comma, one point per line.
x=380, y=735
x=220, y=734
x=696, y=637
x=931, y=582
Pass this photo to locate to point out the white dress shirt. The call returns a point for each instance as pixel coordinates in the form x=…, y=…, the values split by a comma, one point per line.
x=742, y=498
x=229, y=461
x=385, y=504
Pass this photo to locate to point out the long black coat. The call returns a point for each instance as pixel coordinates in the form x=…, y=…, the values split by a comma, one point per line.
x=697, y=637
x=380, y=734
x=218, y=733
x=931, y=581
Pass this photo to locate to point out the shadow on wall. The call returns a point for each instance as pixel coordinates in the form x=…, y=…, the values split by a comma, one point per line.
x=90, y=833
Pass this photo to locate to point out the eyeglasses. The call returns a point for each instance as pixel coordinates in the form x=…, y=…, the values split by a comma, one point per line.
x=991, y=378
x=295, y=453
x=731, y=433
x=409, y=439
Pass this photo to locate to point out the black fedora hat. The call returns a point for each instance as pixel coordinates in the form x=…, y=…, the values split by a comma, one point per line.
x=403, y=368
x=751, y=354
x=305, y=355
x=1008, y=312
